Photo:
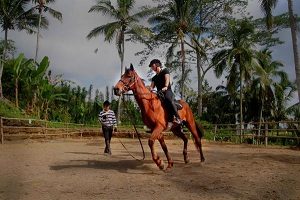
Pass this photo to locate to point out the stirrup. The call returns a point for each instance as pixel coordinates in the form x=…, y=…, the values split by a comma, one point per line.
x=169, y=126
x=177, y=121
x=178, y=105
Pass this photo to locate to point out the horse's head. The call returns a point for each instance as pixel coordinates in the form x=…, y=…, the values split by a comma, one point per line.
x=127, y=81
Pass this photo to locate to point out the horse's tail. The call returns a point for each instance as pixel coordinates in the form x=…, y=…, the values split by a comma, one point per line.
x=200, y=130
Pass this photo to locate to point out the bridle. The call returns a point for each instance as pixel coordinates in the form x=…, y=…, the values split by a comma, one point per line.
x=128, y=86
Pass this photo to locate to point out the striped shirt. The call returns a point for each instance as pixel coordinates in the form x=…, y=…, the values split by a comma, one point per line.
x=107, y=118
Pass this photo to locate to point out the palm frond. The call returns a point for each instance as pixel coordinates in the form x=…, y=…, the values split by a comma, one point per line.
x=56, y=14
x=109, y=30
x=267, y=6
x=104, y=7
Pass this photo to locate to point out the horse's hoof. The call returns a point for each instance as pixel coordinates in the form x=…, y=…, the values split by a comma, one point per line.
x=202, y=159
x=161, y=166
x=187, y=161
x=170, y=164
x=168, y=169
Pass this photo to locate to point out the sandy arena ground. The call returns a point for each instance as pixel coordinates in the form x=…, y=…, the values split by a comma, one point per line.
x=77, y=169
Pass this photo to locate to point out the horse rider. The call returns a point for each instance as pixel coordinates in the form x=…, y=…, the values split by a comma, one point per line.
x=162, y=83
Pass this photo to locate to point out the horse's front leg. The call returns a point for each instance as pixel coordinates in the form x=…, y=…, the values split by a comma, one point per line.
x=165, y=149
x=156, y=134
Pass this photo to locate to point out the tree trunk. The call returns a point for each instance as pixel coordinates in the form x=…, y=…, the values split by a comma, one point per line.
x=260, y=117
x=293, y=26
x=182, y=91
x=241, y=104
x=16, y=92
x=200, y=79
x=121, y=54
x=38, y=35
x=3, y=61
x=1, y=72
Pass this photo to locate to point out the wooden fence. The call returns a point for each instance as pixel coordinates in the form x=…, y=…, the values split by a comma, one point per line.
x=254, y=133
x=257, y=133
x=19, y=128
x=33, y=128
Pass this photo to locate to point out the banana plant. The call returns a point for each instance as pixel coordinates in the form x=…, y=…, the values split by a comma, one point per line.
x=48, y=96
x=36, y=76
x=19, y=65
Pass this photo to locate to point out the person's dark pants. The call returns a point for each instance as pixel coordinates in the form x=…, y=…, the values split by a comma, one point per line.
x=169, y=102
x=107, y=133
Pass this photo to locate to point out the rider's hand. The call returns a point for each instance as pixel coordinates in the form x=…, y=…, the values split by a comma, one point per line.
x=164, y=88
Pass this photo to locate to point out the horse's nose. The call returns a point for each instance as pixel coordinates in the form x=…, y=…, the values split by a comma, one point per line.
x=117, y=91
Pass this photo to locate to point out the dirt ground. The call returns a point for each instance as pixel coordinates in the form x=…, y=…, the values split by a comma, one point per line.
x=77, y=169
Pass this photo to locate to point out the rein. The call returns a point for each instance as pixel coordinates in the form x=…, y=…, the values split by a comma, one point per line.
x=139, y=138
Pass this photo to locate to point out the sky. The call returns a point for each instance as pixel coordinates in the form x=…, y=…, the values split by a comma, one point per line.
x=73, y=56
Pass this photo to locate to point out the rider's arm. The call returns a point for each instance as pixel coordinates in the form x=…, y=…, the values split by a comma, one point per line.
x=167, y=82
x=151, y=87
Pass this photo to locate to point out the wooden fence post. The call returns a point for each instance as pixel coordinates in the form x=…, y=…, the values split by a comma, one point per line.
x=1, y=130
x=239, y=127
x=215, y=132
x=46, y=128
x=266, y=135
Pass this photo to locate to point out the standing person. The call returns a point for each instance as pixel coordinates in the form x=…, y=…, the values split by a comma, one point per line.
x=108, y=120
x=162, y=82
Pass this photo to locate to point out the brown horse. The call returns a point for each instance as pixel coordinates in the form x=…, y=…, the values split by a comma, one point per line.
x=155, y=117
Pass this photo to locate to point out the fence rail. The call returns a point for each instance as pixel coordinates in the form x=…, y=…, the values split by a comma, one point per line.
x=257, y=133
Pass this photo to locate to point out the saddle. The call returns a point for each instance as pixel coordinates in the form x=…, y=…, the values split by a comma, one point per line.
x=176, y=102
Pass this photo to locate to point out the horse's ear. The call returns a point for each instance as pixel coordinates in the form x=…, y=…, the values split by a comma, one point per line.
x=131, y=67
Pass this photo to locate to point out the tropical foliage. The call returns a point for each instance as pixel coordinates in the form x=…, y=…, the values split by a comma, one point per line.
x=198, y=35
x=15, y=15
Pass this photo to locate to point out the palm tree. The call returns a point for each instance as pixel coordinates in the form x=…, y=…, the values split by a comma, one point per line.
x=125, y=23
x=207, y=15
x=238, y=59
x=268, y=6
x=14, y=16
x=171, y=25
x=265, y=84
x=42, y=7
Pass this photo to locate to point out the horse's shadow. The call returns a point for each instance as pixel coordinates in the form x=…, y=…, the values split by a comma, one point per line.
x=122, y=166
x=86, y=153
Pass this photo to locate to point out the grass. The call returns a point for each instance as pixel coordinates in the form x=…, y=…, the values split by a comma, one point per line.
x=8, y=109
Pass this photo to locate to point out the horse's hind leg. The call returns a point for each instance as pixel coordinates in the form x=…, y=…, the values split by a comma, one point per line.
x=197, y=138
x=165, y=149
x=178, y=132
